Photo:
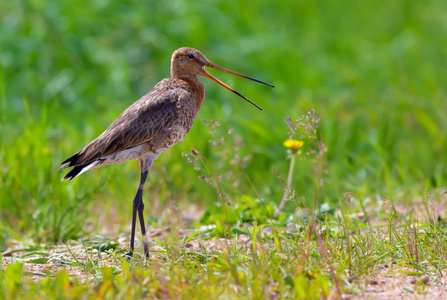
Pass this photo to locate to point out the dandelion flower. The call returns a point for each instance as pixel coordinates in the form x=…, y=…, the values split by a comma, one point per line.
x=293, y=145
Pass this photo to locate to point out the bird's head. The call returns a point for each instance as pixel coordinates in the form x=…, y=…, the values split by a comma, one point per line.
x=188, y=62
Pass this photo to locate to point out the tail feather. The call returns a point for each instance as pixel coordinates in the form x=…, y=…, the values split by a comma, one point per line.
x=73, y=173
x=64, y=167
x=71, y=161
x=77, y=170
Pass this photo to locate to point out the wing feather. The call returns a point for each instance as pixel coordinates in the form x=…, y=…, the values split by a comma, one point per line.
x=148, y=119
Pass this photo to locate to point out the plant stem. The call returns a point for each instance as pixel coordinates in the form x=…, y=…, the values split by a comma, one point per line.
x=288, y=187
x=289, y=177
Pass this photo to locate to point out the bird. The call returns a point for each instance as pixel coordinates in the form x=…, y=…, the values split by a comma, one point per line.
x=151, y=125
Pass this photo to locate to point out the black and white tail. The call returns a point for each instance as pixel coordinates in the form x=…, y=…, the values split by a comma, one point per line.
x=77, y=170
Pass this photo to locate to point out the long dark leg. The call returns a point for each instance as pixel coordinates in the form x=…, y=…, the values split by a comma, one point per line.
x=140, y=216
x=137, y=202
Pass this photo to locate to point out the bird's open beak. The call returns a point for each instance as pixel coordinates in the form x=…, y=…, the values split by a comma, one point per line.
x=211, y=65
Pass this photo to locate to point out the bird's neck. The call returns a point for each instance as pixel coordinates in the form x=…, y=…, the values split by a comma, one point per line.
x=186, y=77
x=199, y=89
x=180, y=74
x=195, y=86
x=191, y=80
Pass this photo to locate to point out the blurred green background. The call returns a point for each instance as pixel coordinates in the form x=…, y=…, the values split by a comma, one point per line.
x=374, y=71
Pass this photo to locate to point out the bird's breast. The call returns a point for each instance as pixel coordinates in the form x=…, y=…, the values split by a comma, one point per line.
x=185, y=100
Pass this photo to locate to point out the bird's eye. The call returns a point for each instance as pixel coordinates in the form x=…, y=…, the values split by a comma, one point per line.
x=190, y=56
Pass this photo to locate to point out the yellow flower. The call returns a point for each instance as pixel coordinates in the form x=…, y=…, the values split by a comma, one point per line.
x=293, y=145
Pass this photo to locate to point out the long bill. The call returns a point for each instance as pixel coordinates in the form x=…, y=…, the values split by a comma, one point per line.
x=211, y=65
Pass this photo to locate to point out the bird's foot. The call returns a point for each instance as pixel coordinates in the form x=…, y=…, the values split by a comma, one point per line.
x=148, y=257
x=129, y=255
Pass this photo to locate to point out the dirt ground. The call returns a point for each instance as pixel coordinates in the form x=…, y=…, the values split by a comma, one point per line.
x=386, y=283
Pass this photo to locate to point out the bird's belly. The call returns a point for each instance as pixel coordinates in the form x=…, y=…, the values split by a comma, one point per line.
x=136, y=152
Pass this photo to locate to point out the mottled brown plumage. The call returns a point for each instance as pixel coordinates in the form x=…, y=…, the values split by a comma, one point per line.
x=148, y=127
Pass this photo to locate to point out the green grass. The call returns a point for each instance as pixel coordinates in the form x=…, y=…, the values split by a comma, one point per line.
x=266, y=259
x=375, y=73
